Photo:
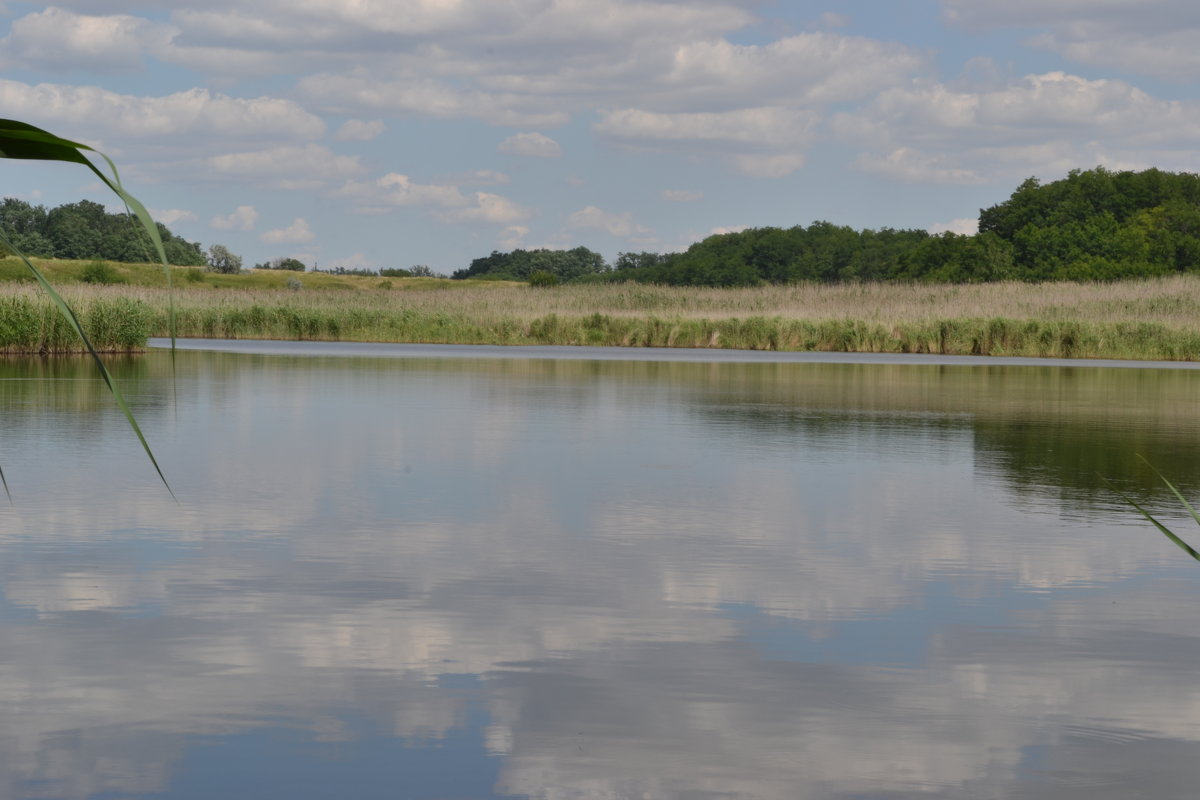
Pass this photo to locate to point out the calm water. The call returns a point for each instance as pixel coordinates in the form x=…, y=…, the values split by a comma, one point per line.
x=456, y=577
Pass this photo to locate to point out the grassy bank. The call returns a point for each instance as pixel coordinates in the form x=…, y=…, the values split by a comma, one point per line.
x=1151, y=319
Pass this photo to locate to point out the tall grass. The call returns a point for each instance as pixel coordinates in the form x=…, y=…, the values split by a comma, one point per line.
x=1150, y=319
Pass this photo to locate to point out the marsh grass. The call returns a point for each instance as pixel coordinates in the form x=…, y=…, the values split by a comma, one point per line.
x=1145, y=319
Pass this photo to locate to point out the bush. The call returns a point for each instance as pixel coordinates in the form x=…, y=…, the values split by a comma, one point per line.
x=193, y=275
x=220, y=259
x=291, y=264
x=542, y=279
x=99, y=272
x=294, y=284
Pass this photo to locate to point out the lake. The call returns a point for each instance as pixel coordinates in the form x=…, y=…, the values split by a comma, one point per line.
x=450, y=573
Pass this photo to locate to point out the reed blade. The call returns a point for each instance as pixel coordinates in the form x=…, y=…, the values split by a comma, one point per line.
x=73, y=320
x=1184, y=546
x=20, y=140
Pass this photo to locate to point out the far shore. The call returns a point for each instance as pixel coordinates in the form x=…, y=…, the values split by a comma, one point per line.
x=1150, y=320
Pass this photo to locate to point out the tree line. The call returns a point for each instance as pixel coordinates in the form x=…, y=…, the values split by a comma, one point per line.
x=85, y=230
x=1092, y=225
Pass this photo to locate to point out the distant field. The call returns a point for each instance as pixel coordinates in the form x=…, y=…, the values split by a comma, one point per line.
x=1144, y=319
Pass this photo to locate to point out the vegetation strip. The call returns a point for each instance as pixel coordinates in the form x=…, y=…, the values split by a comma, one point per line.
x=1151, y=319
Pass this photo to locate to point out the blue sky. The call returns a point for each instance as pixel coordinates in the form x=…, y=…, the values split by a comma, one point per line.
x=388, y=133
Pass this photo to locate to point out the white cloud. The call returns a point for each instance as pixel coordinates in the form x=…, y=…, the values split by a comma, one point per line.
x=1151, y=37
x=619, y=225
x=243, y=218
x=307, y=166
x=170, y=216
x=530, y=144
x=352, y=261
x=181, y=118
x=449, y=202
x=1037, y=124
x=59, y=40
x=512, y=237
x=682, y=195
x=485, y=177
x=362, y=91
x=399, y=190
x=296, y=233
x=803, y=70
x=356, y=130
x=964, y=226
x=492, y=209
x=912, y=166
x=768, y=141
x=720, y=230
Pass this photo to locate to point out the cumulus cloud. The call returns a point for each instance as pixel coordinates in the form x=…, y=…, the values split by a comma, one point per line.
x=1048, y=123
x=484, y=177
x=296, y=233
x=449, y=203
x=362, y=91
x=243, y=218
x=183, y=115
x=964, y=226
x=287, y=166
x=767, y=141
x=513, y=237
x=525, y=64
x=352, y=261
x=395, y=189
x=356, y=130
x=59, y=40
x=492, y=209
x=1151, y=37
x=530, y=144
x=170, y=216
x=620, y=225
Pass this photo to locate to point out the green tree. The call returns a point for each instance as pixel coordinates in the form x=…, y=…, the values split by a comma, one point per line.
x=220, y=259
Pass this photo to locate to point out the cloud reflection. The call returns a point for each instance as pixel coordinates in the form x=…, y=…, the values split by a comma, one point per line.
x=662, y=580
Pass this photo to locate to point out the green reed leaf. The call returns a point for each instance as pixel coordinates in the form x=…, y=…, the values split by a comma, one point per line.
x=1187, y=548
x=21, y=140
x=69, y=313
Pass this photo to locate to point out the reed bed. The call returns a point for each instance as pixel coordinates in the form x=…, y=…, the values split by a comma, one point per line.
x=1145, y=319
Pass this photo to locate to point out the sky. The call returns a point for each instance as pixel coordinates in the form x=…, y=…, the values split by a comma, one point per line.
x=390, y=133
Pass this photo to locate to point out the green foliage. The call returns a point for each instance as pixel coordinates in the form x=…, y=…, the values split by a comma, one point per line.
x=21, y=140
x=520, y=264
x=85, y=230
x=395, y=272
x=349, y=271
x=99, y=272
x=1091, y=225
x=542, y=279
x=194, y=276
x=290, y=264
x=222, y=261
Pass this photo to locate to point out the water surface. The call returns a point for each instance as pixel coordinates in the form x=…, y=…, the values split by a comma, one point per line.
x=433, y=577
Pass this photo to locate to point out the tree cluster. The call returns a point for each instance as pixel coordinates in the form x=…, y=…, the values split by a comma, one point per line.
x=1092, y=225
x=85, y=230
x=518, y=265
x=289, y=264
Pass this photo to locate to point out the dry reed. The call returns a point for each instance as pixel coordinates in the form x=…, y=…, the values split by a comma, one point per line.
x=1131, y=319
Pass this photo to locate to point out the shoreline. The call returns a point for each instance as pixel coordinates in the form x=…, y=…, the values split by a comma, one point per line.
x=276, y=347
x=1155, y=320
